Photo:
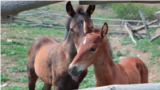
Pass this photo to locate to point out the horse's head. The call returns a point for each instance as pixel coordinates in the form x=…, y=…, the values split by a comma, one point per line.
x=89, y=51
x=76, y=22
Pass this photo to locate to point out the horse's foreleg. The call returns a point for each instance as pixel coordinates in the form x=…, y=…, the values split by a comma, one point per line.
x=32, y=81
x=47, y=86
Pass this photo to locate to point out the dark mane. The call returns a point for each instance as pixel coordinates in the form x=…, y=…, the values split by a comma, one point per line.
x=80, y=10
x=67, y=27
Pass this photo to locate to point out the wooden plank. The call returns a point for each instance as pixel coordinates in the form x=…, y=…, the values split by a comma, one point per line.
x=130, y=33
x=147, y=86
x=103, y=19
x=135, y=32
x=116, y=1
x=146, y=26
x=155, y=37
x=9, y=7
x=143, y=26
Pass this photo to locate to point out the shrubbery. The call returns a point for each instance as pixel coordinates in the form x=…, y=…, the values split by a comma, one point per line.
x=131, y=11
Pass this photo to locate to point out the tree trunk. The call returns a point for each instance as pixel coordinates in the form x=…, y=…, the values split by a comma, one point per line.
x=14, y=7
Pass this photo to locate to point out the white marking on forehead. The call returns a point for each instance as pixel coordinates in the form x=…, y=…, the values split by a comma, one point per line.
x=77, y=50
x=84, y=40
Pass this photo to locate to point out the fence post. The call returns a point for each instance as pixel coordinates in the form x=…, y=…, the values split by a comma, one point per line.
x=97, y=21
x=121, y=28
x=144, y=22
x=11, y=18
x=43, y=17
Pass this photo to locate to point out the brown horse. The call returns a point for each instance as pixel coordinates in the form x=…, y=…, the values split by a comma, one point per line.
x=49, y=60
x=94, y=50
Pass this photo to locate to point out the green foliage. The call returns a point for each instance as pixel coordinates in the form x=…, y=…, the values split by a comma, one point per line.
x=18, y=23
x=4, y=77
x=126, y=52
x=118, y=53
x=24, y=17
x=116, y=60
x=152, y=30
x=157, y=80
x=22, y=79
x=15, y=87
x=131, y=10
x=89, y=80
x=11, y=36
x=145, y=46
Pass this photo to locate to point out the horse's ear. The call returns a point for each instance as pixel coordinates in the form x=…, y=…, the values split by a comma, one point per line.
x=90, y=10
x=104, y=30
x=70, y=9
x=86, y=28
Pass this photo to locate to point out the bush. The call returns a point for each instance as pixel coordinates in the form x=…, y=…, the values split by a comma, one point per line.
x=131, y=11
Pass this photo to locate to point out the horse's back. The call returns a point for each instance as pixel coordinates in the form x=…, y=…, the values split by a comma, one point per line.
x=135, y=67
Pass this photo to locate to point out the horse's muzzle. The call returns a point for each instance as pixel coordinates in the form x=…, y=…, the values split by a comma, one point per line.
x=73, y=71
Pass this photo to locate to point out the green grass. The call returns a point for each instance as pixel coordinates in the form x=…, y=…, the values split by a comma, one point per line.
x=145, y=46
x=4, y=77
x=21, y=79
x=15, y=87
x=118, y=53
x=126, y=52
x=89, y=80
x=0, y=32
x=157, y=80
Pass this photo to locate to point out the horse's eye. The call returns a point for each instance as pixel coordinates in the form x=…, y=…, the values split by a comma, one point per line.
x=93, y=49
x=92, y=27
x=72, y=30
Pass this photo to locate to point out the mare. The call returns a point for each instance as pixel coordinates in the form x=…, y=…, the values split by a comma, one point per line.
x=49, y=60
x=94, y=50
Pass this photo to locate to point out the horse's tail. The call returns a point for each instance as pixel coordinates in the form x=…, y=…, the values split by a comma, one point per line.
x=143, y=71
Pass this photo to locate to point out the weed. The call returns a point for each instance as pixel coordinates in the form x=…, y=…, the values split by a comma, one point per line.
x=152, y=30
x=134, y=55
x=116, y=60
x=118, y=53
x=21, y=80
x=157, y=80
x=4, y=77
x=126, y=52
x=11, y=36
x=15, y=87
x=18, y=23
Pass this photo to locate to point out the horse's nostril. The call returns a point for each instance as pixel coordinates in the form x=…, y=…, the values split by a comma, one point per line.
x=73, y=71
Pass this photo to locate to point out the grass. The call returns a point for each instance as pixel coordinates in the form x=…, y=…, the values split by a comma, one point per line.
x=22, y=37
x=16, y=51
x=21, y=79
x=4, y=77
x=145, y=46
x=126, y=52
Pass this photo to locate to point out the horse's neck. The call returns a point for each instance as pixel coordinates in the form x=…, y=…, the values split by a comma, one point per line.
x=104, y=66
x=69, y=47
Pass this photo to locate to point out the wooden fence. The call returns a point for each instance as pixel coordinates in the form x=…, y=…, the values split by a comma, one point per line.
x=148, y=86
x=131, y=29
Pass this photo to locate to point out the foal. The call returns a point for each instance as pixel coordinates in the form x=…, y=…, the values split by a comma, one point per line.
x=94, y=50
x=49, y=60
